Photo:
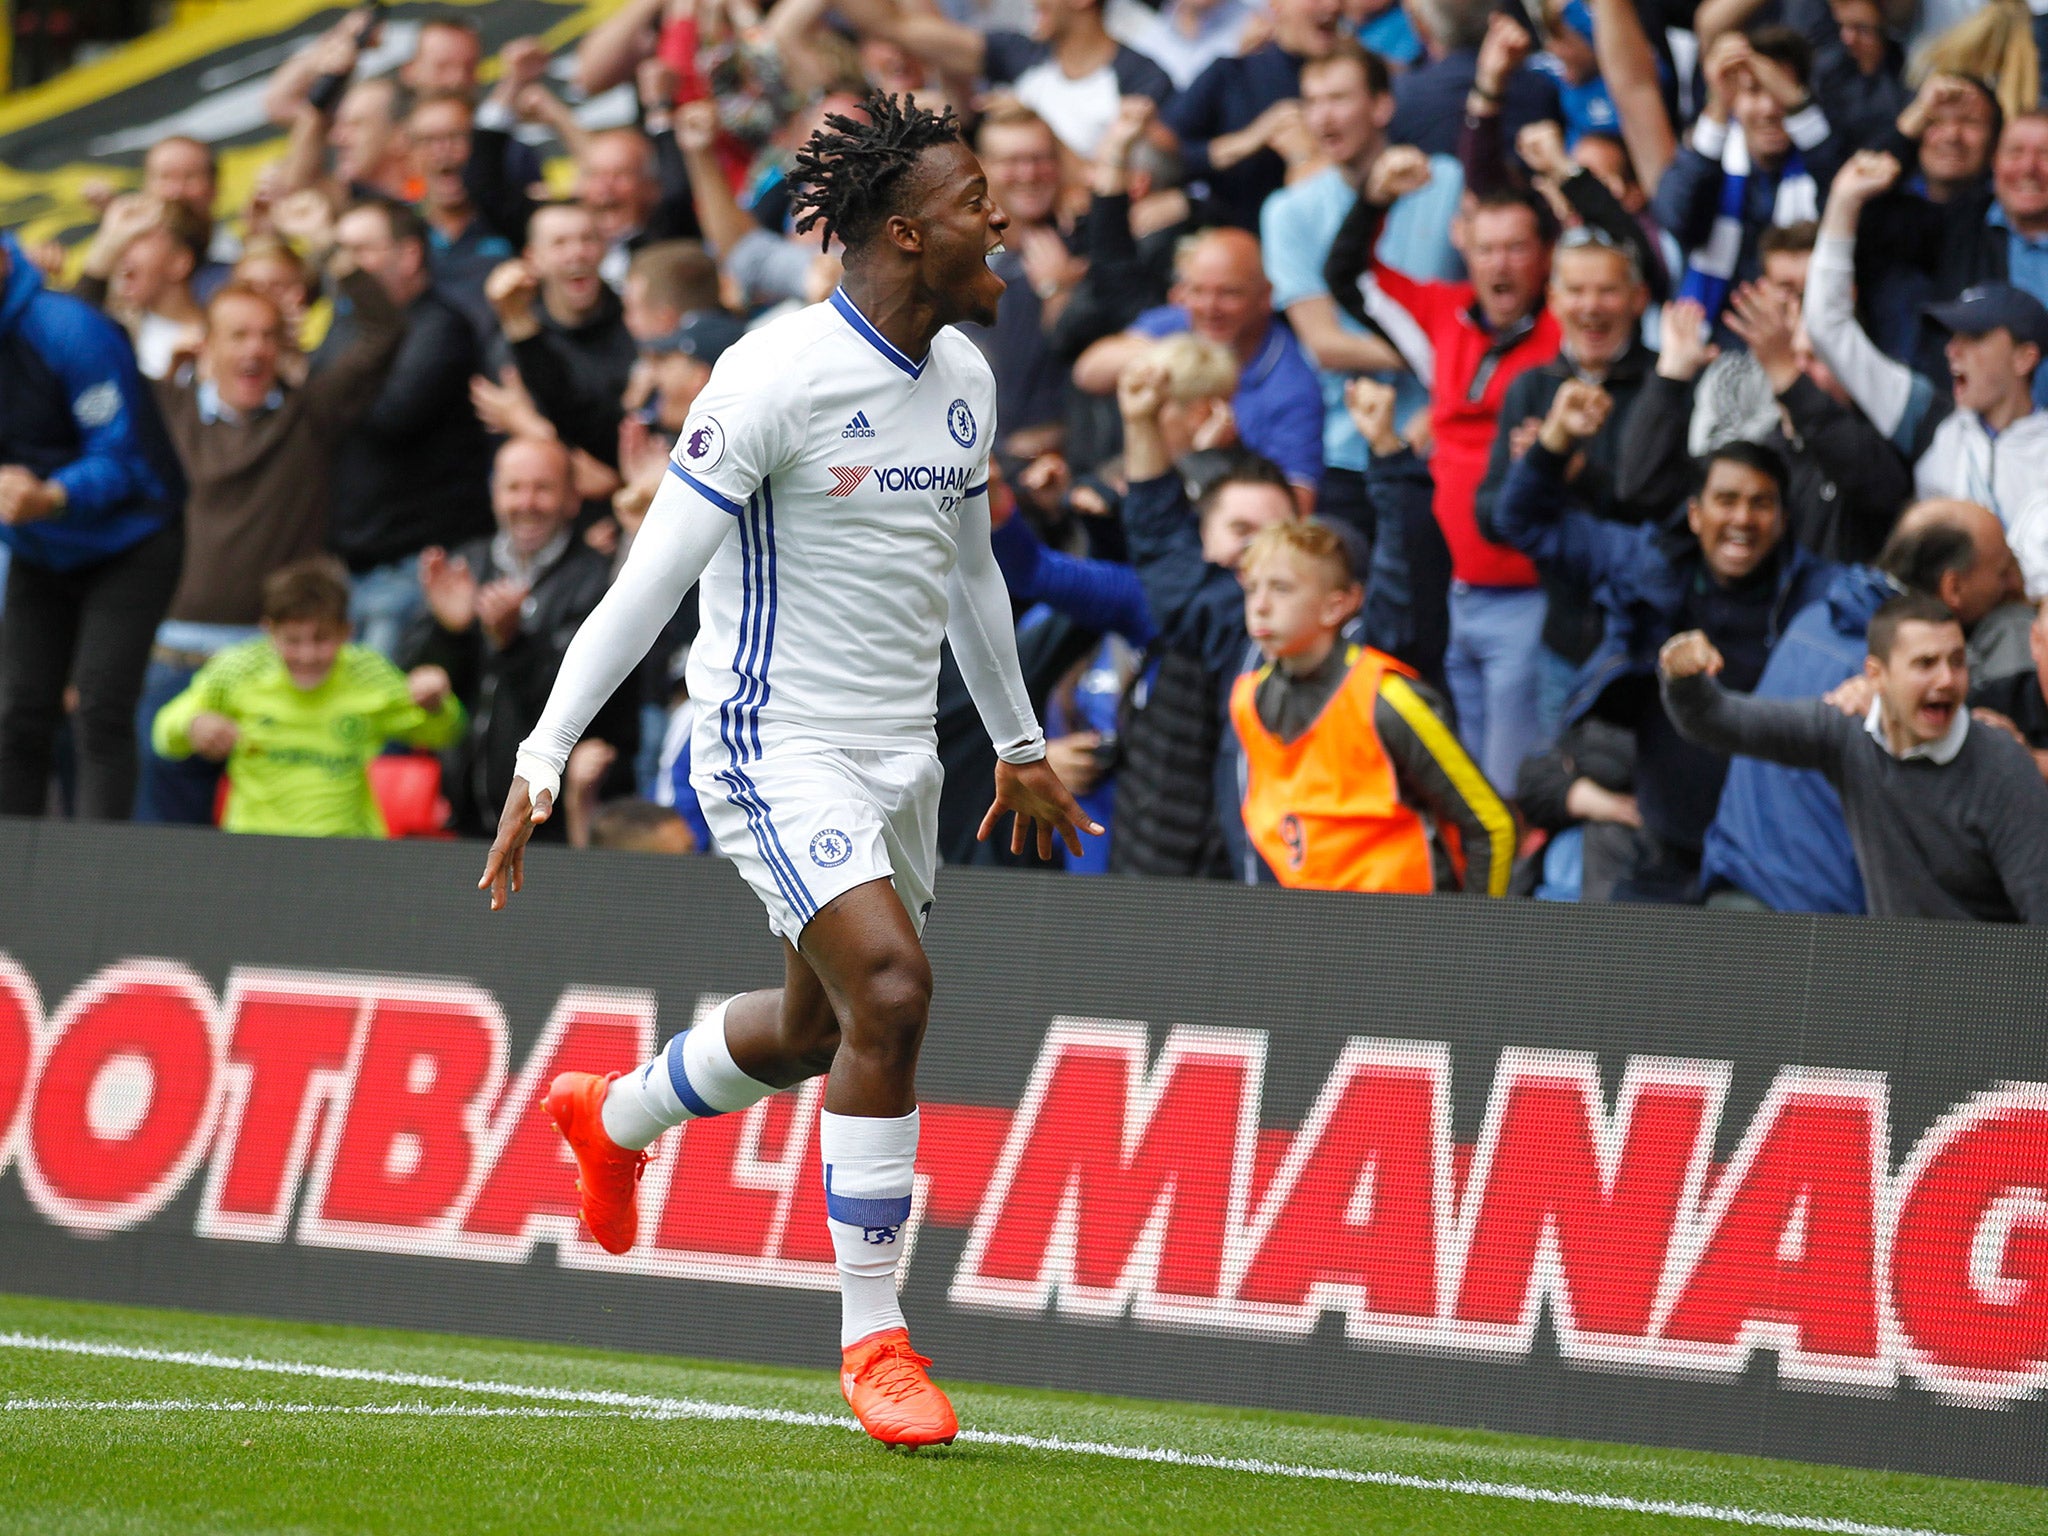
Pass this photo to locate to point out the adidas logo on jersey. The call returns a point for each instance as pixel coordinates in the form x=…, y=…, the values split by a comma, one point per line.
x=858, y=427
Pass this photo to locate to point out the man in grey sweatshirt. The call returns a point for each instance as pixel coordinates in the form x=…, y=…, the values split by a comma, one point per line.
x=1947, y=821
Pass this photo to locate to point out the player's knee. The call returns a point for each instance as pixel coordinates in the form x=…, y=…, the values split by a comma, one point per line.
x=893, y=1001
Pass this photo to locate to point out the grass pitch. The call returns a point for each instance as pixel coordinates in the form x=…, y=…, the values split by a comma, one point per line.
x=131, y=1421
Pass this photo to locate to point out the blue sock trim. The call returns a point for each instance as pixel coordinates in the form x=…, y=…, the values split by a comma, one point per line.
x=858, y=1211
x=679, y=1080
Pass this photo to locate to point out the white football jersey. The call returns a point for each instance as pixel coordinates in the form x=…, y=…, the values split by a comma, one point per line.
x=843, y=464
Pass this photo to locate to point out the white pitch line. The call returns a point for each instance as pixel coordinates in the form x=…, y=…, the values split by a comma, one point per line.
x=384, y=1410
x=697, y=1408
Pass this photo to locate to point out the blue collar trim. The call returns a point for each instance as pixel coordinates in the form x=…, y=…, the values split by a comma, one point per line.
x=873, y=337
x=1270, y=353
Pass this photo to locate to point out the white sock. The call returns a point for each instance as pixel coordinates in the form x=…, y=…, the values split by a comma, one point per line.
x=869, y=1167
x=691, y=1077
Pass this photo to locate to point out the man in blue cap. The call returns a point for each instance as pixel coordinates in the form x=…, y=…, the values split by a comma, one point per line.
x=675, y=365
x=1981, y=439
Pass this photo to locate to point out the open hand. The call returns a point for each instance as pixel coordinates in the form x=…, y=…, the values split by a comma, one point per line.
x=1036, y=798
x=505, y=868
x=1768, y=322
x=498, y=605
x=1687, y=346
x=449, y=586
x=506, y=408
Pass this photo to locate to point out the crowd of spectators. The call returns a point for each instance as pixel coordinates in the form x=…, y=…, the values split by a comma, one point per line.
x=1588, y=449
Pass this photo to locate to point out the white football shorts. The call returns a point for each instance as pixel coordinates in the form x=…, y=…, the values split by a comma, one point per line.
x=806, y=822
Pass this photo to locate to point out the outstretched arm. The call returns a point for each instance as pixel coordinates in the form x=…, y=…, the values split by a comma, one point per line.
x=682, y=532
x=1799, y=733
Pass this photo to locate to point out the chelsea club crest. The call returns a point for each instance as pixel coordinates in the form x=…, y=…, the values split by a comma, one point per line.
x=831, y=848
x=960, y=422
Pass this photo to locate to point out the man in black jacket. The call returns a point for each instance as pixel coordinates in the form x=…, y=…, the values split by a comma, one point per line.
x=564, y=329
x=500, y=614
x=1599, y=307
x=1728, y=571
x=415, y=468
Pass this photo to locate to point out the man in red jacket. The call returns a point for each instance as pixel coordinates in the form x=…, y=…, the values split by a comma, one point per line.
x=1468, y=341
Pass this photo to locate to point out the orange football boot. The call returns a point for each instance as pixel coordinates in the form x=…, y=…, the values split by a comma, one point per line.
x=885, y=1384
x=607, y=1174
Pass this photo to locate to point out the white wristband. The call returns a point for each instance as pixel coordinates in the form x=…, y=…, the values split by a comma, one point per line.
x=540, y=775
x=1027, y=749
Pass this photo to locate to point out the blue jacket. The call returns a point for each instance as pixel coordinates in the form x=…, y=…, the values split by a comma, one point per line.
x=1195, y=606
x=1780, y=834
x=1638, y=575
x=74, y=410
x=1096, y=594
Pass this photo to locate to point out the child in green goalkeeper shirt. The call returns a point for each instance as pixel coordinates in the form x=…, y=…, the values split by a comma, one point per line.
x=298, y=715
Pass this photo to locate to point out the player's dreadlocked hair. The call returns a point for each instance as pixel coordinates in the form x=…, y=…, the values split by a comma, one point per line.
x=846, y=176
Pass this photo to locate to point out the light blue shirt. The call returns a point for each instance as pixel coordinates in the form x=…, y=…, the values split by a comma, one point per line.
x=212, y=408
x=1296, y=229
x=2026, y=267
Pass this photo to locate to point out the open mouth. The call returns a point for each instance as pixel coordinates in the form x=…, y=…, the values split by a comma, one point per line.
x=1737, y=547
x=1936, y=718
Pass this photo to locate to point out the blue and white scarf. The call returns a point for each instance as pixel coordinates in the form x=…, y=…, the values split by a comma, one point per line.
x=1710, y=270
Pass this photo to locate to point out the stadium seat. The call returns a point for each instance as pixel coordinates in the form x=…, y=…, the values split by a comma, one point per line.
x=408, y=790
